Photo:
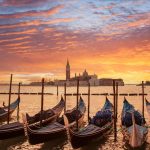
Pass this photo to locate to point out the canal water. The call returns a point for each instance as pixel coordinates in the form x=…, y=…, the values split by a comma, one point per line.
x=31, y=104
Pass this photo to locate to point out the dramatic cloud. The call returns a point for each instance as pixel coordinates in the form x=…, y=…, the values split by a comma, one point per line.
x=38, y=36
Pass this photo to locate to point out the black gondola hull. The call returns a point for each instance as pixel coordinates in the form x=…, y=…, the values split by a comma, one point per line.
x=11, y=134
x=40, y=138
x=79, y=141
x=56, y=129
x=17, y=129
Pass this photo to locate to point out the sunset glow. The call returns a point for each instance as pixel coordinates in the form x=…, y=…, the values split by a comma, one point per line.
x=109, y=38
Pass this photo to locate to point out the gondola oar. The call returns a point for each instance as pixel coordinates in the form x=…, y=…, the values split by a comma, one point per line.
x=19, y=101
x=42, y=100
x=10, y=85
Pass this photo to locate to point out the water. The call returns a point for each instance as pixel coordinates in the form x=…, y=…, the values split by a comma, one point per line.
x=31, y=104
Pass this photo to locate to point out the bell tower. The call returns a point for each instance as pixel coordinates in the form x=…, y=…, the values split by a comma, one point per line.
x=67, y=71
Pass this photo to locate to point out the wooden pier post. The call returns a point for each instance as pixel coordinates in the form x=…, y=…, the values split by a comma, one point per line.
x=114, y=101
x=19, y=101
x=42, y=101
x=65, y=96
x=9, y=99
x=88, y=102
x=57, y=90
x=143, y=98
x=77, y=103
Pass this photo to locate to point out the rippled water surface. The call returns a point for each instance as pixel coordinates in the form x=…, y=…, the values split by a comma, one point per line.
x=31, y=104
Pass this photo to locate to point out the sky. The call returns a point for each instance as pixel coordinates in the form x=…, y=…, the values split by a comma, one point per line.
x=108, y=37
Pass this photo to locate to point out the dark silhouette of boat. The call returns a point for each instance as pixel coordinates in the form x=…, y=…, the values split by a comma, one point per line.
x=56, y=129
x=133, y=126
x=99, y=127
x=16, y=128
x=4, y=110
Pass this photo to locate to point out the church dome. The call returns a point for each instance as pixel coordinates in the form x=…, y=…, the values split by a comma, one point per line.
x=85, y=73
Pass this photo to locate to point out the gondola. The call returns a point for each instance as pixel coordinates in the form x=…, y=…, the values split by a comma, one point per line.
x=133, y=126
x=4, y=110
x=148, y=106
x=16, y=128
x=99, y=127
x=56, y=129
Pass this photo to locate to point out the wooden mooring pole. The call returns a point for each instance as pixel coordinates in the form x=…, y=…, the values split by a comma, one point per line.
x=114, y=101
x=77, y=116
x=57, y=90
x=19, y=101
x=88, y=102
x=9, y=99
x=42, y=101
x=65, y=96
x=143, y=98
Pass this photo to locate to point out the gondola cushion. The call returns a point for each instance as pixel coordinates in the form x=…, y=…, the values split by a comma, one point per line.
x=127, y=119
x=102, y=118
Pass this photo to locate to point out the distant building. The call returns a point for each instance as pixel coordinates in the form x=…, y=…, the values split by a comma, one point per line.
x=40, y=83
x=109, y=82
x=94, y=81
x=147, y=83
x=85, y=78
x=67, y=71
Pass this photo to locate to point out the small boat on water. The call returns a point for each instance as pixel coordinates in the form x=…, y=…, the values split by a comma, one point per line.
x=4, y=110
x=133, y=126
x=56, y=129
x=16, y=128
x=99, y=127
x=148, y=106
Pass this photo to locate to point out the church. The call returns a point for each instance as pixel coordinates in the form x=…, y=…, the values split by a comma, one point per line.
x=85, y=78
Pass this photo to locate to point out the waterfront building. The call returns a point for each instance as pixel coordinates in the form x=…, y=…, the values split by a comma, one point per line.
x=109, y=82
x=85, y=78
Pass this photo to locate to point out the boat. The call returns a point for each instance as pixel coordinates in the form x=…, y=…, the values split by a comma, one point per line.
x=148, y=106
x=17, y=128
x=56, y=129
x=4, y=110
x=98, y=127
x=133, y=126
